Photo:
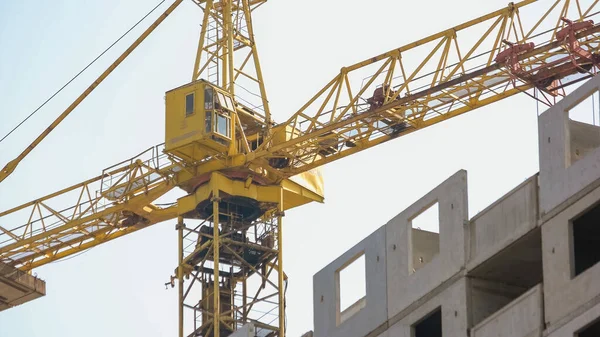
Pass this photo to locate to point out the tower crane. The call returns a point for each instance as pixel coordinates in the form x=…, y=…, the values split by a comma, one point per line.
x=241, y=170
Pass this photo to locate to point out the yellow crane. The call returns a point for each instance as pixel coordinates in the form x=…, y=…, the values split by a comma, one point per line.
x=241, y=170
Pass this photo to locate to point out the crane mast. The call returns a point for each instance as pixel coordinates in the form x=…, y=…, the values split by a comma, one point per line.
x=241, y=170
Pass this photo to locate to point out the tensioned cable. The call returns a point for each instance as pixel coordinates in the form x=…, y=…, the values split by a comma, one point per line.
x=84, y=69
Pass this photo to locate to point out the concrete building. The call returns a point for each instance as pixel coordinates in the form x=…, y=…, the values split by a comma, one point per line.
x=526, y=266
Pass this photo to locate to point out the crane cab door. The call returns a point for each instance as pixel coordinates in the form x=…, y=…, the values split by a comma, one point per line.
x=198, y=121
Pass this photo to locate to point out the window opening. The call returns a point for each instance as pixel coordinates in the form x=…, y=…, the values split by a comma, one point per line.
x=425, y=237
x=430, y=326
x=352, y=288
x=189, y=104
x=208, y=98
x=585, y=235
x=592, y=330
x=222, y=125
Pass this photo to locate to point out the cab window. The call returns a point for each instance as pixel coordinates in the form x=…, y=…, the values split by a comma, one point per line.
x=208, y=122
x=222, y=125
x=208, y=98
x=189, y=104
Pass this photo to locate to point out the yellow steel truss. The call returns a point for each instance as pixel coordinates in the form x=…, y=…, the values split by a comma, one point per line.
x=113, y=204
x=235, y=289
x=228, y=35
x=423, y=83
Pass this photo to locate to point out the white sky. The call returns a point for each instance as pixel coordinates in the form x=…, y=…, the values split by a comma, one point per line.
x=117, y=289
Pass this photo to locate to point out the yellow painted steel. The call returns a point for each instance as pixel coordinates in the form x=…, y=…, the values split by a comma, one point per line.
x=409, y=88
x=217, y=309
x=230, y=24
x=216, y=314
x=195, y=114
x=180, y=226
x=116, y=203
x=280, y=273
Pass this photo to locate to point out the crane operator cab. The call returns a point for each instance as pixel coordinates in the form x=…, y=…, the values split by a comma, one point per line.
x=198, y=121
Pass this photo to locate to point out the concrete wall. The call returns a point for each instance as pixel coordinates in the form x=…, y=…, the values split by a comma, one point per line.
x=426, y=246
x=585, y=138
x=560, y=178
x=453, y=302
x=521, y=318
x=327, y=318
x=487, y=297
x=406, y=287
x=577, y=322
x=503, y=222
x=562, y=292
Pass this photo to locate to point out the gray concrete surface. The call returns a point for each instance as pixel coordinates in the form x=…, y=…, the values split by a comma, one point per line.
x=563, y=292
x=453, y=303
x=521, y=317
x=503, y=222
x=327, y=316
x=585, y=138
x=17, y=287
x=487, y=297
x=519, y=264
x=560, y=176
x=425, y=247
x=406, y=287
x=576, y=323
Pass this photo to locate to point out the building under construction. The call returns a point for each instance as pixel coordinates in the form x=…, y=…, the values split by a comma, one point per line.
x=526, y=266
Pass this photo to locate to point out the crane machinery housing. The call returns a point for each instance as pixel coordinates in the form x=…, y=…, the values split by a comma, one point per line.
x=241, y=170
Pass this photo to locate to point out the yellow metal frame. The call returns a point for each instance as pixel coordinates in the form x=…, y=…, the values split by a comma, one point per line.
x=228, y=34
x=253, y=294
x=455, y=77
x=116, y=203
